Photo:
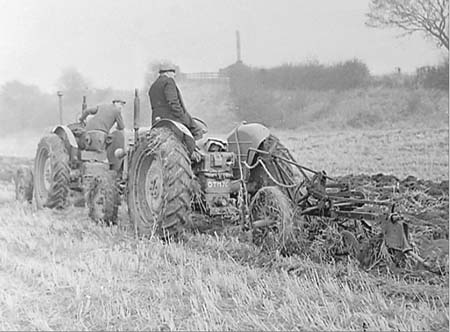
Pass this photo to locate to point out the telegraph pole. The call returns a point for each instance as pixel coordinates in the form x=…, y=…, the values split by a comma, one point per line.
x=238, y=47
x=60, y=94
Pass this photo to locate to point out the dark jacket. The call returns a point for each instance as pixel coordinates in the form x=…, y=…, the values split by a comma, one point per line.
x=104, y=118
x=167, y=102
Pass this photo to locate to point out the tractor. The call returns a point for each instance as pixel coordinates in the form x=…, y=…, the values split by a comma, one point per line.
x=248, y=181
x=67, y=170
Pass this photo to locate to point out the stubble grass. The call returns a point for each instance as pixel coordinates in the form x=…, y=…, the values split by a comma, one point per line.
x=59, y=271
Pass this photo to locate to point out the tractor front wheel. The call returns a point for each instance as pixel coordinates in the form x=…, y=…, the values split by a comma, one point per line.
x=272, y=219
x=103, y=198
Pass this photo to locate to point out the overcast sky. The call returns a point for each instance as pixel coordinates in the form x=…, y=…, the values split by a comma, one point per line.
x=111, y=41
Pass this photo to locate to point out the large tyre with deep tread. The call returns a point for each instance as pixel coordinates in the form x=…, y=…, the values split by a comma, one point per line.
x=51, y=173
x=103, y=198
x=24, y=184
x=159, y=184
x=282, y=171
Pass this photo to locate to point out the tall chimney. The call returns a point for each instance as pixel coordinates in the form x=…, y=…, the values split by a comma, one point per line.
x=238, y=46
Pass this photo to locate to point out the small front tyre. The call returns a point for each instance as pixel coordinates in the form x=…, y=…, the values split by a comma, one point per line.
x=272, y=219
x=103, y=199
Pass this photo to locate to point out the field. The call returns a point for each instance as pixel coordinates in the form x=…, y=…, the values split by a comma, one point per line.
x=399, y=152
x=60, y=271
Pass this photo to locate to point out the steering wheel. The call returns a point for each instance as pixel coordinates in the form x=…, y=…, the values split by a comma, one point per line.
x=202, y=124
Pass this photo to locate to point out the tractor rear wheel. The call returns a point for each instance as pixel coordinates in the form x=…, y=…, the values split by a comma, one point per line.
x=103, y=198
x=282, y=171
x=24, y=184
x=159, y=184
x=51, y=173
x=272, y=219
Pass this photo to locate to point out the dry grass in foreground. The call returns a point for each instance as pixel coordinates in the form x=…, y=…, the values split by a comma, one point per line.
x=59, y=271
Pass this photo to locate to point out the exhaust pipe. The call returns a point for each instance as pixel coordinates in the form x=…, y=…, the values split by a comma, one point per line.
x=136, y=116
x=83, y=104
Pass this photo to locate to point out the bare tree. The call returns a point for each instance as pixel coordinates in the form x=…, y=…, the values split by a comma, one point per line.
x=73, y=84
x=18, y=109
x=72, y=80
x=427, y=16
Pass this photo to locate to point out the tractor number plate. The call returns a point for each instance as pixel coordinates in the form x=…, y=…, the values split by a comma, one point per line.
x=213, y=186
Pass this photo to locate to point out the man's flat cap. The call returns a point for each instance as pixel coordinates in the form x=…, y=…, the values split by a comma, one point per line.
x=165, y=67
x=119, y=101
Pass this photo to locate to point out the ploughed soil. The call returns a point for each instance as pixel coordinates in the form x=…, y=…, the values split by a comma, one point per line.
x=423, y=204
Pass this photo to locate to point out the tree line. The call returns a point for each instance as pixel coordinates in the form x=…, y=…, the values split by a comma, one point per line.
x=263, y=94
x=257, y=93
x=25, y=107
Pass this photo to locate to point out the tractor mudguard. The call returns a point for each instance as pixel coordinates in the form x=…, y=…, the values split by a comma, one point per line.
x=247, y=135
x=180, y=130
x=66, y=135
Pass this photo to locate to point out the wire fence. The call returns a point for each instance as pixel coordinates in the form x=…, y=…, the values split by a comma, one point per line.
x=205, y=76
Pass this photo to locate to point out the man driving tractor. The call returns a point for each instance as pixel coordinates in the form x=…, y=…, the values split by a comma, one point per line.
x=167, y=103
